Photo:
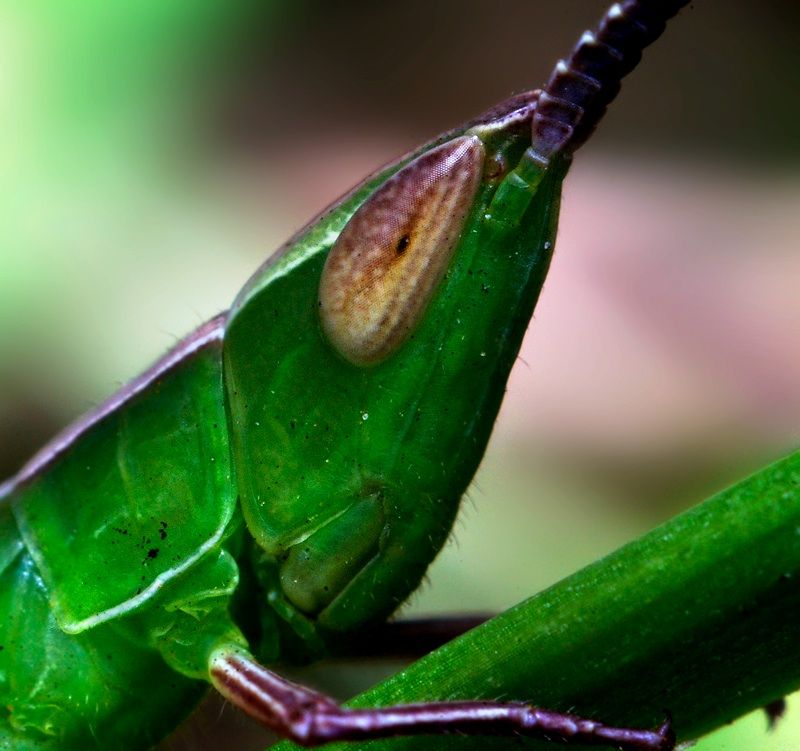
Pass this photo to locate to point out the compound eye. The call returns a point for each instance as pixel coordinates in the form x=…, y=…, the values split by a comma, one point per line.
x=389, y=259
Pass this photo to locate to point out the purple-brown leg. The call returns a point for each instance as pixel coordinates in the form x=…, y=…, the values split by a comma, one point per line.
x=413, y=637
x=312, y=719
x=775, y=711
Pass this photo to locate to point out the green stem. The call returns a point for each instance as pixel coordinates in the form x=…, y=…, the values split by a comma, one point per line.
x=699, y=617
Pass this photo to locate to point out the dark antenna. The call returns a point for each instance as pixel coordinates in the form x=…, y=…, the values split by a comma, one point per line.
x=580, y=88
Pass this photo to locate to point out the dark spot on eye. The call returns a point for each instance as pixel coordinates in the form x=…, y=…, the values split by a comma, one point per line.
x=402, y=244
x=152, y=554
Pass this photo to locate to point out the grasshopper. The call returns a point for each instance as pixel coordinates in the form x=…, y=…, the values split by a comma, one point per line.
x=279, y=482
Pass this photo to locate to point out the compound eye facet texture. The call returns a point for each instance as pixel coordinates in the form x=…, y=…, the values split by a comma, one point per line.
x=386, y=264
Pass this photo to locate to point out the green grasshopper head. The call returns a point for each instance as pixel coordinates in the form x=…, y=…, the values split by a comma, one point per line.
x=392, y=322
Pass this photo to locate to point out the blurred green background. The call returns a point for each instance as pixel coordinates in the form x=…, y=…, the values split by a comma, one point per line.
x=152, y=154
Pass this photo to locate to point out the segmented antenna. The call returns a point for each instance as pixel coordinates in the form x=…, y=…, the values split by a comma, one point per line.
x=580, y=89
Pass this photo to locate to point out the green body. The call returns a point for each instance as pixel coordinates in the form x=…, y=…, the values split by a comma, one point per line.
x=255, y=487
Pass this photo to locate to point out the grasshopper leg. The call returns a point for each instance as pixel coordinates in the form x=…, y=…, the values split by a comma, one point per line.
x=312, y=719
x=412, y=638
x=775, y=711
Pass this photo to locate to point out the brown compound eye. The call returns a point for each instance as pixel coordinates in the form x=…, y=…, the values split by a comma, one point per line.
x=386, y=264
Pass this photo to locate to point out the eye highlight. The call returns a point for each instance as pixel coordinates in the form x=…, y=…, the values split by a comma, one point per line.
x=386, y=264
